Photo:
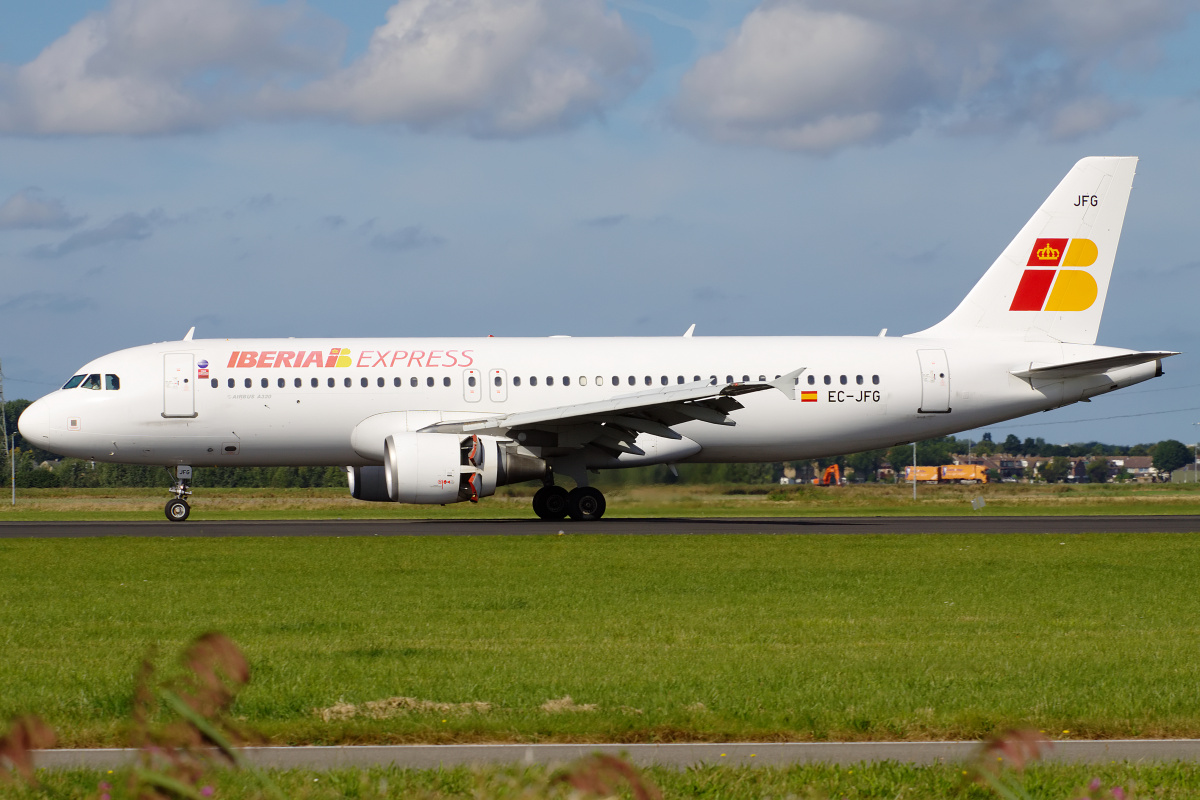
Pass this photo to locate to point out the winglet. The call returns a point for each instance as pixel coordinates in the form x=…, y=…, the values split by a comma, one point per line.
x=187, y=337
x=688, y=333
x=787, y=383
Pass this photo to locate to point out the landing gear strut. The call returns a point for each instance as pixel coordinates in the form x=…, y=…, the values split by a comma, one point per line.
x=177, y=509
x=582, y=504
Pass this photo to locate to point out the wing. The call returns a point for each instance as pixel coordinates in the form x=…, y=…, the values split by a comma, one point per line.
x=615, y=423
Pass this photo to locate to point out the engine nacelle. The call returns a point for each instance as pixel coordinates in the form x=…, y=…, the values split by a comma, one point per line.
x=449, y=468
x=368, y=483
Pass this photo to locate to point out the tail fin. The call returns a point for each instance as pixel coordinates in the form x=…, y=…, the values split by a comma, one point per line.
x=1049, y=284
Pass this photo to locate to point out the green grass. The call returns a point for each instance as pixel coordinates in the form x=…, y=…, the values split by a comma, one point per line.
x=885, y=781
x=671, y=638
x=628, y=501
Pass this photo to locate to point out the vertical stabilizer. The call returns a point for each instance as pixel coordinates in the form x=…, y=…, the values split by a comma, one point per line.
x=1049, y=284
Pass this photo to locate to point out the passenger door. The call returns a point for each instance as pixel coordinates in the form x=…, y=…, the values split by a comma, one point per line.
x=935, y=382
x=179, y=385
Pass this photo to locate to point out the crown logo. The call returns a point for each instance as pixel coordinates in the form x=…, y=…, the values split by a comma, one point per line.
x=1049, y=253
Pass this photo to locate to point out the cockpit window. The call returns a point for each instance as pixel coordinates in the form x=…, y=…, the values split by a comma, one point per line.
x=91, y=382
x=112, y=383
x=75, y=381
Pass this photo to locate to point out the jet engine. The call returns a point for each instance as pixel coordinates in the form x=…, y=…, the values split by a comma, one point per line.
x=442, y=468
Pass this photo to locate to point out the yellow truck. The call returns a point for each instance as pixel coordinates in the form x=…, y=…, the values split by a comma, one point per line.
x=948, y=473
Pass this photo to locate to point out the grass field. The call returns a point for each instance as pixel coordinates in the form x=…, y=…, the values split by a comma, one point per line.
x=636, y=501
x=651, y=638
x=876, y=782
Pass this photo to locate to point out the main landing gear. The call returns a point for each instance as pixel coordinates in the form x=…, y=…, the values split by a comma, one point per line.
x=582, y=504
x=177, y=509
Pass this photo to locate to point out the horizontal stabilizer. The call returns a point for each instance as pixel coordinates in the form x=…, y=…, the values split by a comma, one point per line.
x=1093, y=366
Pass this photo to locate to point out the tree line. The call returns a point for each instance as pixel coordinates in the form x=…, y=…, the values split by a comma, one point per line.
x=37, y=468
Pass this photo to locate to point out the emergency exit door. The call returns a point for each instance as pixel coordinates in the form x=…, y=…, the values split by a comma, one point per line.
x=935, y=382
x=179, y=385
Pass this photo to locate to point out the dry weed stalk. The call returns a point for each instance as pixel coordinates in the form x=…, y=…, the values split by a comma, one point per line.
x=26, y=734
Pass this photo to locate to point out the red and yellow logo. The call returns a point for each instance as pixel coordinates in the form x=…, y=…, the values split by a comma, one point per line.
x=808, y=397
x=1057, y=289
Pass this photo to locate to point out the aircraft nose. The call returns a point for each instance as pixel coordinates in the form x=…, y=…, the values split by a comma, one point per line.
x=34, y=425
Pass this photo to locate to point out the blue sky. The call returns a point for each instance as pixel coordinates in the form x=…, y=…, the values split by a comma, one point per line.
x=532, y=167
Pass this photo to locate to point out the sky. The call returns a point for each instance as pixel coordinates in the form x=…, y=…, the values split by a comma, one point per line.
x=539, y=167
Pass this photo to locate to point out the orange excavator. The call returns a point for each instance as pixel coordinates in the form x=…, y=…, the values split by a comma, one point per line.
x=831, y=477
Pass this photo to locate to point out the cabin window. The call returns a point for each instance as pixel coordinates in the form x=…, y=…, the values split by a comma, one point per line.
x=215, y=383
x=812, y=379
x=379, y=382
x=281, y=383
x=412, y=382
x=497, y=380
x=471, y=381
x=745, y=379
x=91, y=382
x=858, y=379
x=875, y=379
x=632, y=380
x=533, y=380
x=648, y=380
x=314, y=383
x=729, y=379
x=516, y=380
x=762, y=378
x=363, y=382
x=445, y=381
x=549, y=380
x=679, y=379
x=112, y=383
x=264, y=383
x=429, y=381
x=297, y=383
x=566, y=381
x=249, y=383
x=616, y=380
x=663, y=380
x=75, y=381
x=582, y=380
x=346, y=382
x=842, y=380
x=396, y=382
x=696, y=377
x=599, y=380
x=330, y=383
x=231, y=383
x=828, y=380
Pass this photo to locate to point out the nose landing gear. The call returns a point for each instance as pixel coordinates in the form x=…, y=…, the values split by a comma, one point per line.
x=177, y=508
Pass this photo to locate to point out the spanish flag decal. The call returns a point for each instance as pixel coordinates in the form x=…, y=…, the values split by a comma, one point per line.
x=1056, y=289
x=808, y=397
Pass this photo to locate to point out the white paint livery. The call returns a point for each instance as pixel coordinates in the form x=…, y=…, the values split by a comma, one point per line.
x=443, y=420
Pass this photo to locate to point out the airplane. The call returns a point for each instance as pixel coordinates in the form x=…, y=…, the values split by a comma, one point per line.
x=445, y=420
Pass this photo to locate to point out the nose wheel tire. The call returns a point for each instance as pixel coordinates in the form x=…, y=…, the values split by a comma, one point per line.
x=550, y=502
x=178, y=510
x=585, y=503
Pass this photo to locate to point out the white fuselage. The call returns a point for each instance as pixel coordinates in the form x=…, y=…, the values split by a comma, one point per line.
x=870, y=392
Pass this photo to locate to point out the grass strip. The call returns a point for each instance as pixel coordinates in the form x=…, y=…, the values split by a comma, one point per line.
x=883, y=781
x=626, y=639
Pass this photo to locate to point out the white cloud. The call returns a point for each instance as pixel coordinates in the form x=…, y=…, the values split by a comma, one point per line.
x=818, y=75
x=485, y=67
x=482, y=67
x=158, y=66
x=29, y=209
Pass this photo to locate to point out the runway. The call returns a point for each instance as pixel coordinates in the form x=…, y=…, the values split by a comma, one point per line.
x=631, y=527
x=679, y=756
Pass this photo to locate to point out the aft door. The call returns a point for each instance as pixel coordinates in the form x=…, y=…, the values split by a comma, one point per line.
x=935, y=382
x=179, y=385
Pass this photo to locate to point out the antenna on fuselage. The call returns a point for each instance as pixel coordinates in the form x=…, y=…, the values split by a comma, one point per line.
x=10, y=452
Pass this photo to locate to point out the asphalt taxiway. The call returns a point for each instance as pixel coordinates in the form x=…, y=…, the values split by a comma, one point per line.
x=639, y=527
x=679, y=756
